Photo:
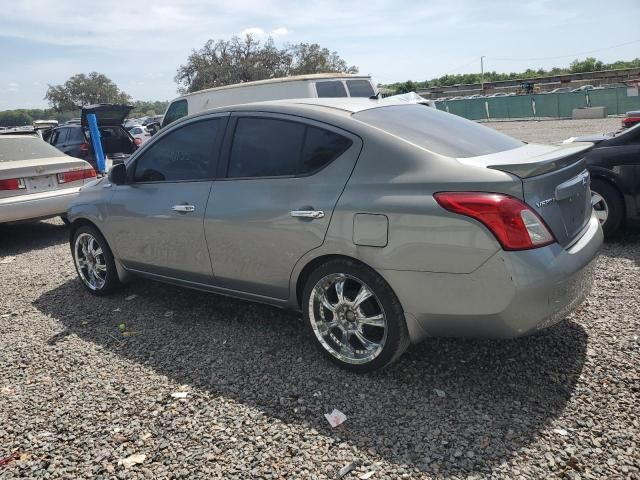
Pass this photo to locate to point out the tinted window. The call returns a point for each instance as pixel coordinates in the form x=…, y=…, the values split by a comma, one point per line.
x=439, y=132
x=360, y=88
x=330, y=89
x=265, y=147
x=59, y=136
x=75, y=135
x=175, y=111
x=184, y=154
x=25, y=148
x=322, y=147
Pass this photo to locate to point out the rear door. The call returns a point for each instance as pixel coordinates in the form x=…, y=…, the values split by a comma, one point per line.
x=156, y=219
x=282, y=179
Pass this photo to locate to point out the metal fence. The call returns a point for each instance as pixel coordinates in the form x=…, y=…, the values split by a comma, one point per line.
x=616, y=101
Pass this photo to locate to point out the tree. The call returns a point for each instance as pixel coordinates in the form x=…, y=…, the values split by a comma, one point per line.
x=225, y=62
x=82, y=89
x=588, y=65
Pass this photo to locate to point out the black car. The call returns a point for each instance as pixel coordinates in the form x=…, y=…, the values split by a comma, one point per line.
x=74, y=138
x=614, y=165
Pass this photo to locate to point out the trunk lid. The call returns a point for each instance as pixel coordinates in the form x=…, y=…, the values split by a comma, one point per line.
x=40, y=175
x=107, y=114
x=555, y=183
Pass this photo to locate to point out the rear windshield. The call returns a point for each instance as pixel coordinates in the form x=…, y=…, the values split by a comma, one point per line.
x=26, y=148
x=360, y=88
x=439, y=132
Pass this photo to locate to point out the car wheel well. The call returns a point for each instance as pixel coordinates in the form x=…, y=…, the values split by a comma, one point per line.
x=76, y=224
x=312, y=265
x=613, y=185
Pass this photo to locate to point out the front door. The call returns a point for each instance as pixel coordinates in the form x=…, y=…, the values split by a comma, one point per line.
x=156, y=219
x=282, y=180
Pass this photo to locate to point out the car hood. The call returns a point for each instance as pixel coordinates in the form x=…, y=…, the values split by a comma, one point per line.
x=107, y=114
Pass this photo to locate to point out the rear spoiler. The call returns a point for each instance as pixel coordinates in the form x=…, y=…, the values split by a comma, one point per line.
x=532, y=160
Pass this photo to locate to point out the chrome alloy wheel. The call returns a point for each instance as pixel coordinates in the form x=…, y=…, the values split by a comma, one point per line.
x=347, y=318
x=600, y=207
x=90, y=261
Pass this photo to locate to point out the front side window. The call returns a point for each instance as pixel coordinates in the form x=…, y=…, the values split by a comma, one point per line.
x=330, y=89
x=187, y=153
x=360, y=88
x=176, y=110
x=267, y=147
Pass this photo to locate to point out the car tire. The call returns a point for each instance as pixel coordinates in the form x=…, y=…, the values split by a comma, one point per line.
x=94, y=261
x=608, y=206
x=344, y=299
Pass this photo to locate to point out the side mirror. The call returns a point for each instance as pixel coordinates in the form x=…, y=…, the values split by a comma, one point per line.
x=118, y=174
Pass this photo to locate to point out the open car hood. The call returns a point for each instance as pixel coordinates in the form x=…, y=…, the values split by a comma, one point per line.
x=107, y=114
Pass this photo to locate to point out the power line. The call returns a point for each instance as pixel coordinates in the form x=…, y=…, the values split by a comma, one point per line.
x=565, y=56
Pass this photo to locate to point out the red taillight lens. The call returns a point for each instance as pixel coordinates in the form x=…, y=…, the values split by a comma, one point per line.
x=513, y=222
x=84, y=147
x=75, y=175
x=12, y=184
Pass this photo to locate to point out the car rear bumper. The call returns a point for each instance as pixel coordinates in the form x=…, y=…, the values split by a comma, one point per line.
x=510, y=295
x=37, y=205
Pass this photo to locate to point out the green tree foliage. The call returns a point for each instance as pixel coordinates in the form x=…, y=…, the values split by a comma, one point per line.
x=577, y=66
x=146, y=108
x=21, y=117
x=225, y=62
x=82, y=89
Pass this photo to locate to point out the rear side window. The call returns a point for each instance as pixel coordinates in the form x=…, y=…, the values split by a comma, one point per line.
x=266, y=147
x=439, y=132
x=75, y=135
x=360, y=88
x=176, y=110
x=188, y=153
x=59, y=136
x=330, y=89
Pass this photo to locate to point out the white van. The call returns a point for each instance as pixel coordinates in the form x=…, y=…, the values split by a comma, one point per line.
x=321, y=85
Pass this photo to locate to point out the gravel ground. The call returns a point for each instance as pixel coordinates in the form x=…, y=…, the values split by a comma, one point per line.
x=87, y=382
x=555, y=131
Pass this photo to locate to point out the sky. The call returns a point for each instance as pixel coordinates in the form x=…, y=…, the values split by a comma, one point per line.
x=140, y=45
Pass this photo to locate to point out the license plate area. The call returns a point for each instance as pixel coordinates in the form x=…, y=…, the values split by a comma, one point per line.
x=41, y=183
x=574, y=199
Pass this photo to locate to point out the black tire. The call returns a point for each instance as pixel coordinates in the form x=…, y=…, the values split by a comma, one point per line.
x=397, y=336
x=614, y=205
x=111, y=280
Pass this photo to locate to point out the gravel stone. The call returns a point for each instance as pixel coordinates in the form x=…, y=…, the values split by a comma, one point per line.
x=76, y=396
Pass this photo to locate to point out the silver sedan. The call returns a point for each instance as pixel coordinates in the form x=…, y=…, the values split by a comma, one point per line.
x=383, y=224
x=37, y=180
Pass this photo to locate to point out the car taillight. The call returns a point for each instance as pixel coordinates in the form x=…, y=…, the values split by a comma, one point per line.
x=75, y=175
x=84, y=147
x=512, y=222
x=12, y=184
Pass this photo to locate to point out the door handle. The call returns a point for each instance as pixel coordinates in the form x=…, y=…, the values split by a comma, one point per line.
x=183, y=208
x=307, y=213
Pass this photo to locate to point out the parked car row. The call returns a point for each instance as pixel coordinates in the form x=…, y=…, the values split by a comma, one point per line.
x=294, y=203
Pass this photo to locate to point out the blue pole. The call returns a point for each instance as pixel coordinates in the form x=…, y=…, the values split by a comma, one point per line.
x=95, y=141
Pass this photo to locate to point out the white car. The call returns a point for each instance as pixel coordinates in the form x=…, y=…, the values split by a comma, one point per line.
x=36, y=179
x=139, y=133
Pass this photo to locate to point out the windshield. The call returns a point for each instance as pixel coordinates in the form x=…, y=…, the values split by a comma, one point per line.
x=26, y=148
x=437, y=131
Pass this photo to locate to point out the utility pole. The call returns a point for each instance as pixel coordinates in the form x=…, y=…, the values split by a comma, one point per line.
x=482, y=73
